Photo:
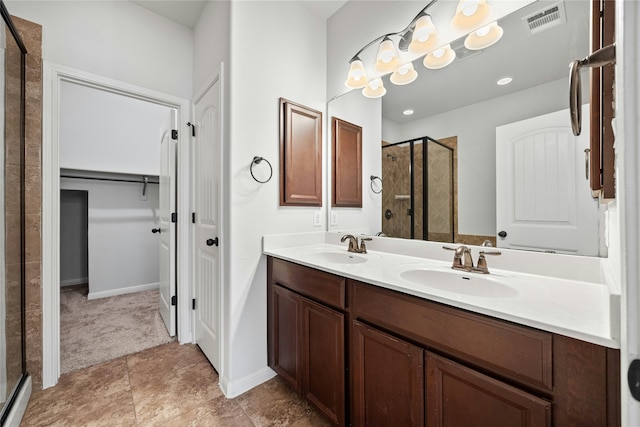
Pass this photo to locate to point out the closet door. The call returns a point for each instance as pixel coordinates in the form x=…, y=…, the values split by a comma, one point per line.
x=167, y=227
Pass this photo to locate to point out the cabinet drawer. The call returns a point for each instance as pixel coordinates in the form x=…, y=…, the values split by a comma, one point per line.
x=516, y=352
x=318, y=285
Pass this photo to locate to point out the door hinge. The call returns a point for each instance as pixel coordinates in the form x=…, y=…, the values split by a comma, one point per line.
x=174, y=133
x=174, y=217
x=193, y=304
x=193, y=217
x=174, y=300
x=193, y=128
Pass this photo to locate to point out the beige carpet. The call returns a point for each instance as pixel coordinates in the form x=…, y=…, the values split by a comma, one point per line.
x=94, y=331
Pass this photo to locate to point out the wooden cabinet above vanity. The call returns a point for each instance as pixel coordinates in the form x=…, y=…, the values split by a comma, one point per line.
x=366, y=355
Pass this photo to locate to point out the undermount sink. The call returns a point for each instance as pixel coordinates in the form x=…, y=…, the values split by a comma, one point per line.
x=459, y=282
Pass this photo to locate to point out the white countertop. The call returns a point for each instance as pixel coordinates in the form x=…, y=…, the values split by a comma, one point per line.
x=585, y=310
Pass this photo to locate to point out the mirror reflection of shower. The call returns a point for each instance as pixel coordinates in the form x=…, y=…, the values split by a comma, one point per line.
x=418, y=198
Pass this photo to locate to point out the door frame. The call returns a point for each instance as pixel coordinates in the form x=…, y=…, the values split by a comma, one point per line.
x=216, y=77
x=53, y=76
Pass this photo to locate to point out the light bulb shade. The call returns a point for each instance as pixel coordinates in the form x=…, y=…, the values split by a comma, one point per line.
x=374, y=89
x=357, y=77
x=387, y=59
x=404, y=75
x=484, y=37
x=425, y=36
x=470, y=14
x=439, y=58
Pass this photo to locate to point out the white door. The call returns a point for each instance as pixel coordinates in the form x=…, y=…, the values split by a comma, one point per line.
x=167, y=228
x=207, y=152
x=542, y=189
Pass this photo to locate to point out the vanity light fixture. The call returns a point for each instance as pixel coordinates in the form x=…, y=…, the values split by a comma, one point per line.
x=374, y=89
x=397, y=51
x=484, y=37
x=470, y=14
x=404, y=75
x=439, y=58
x=357, y=77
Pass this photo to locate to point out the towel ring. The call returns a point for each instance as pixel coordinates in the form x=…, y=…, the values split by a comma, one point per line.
x=256, y=161
x=373, y=178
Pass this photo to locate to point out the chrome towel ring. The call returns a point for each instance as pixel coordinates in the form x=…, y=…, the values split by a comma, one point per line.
x=374, y=178
x=256, y=161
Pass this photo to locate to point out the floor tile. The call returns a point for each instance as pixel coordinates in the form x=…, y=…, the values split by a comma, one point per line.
x=274, y=404
x=164, y=359
x=168, y=395
x=220, y=412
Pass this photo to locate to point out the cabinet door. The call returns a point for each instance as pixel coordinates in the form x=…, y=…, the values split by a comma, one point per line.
x=284, y=323
x=323, y=361
x=459, y=396
x=387, y=379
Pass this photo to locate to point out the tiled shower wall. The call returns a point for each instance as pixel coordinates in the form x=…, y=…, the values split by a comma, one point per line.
x=31, y=34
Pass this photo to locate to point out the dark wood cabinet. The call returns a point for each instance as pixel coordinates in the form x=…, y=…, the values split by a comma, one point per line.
x=413, y=362
x=346, y=164
x=387, y=379
x=459, y=396
x=306, y=337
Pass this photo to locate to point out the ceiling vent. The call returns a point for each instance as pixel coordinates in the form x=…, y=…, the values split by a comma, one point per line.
x=547, y=18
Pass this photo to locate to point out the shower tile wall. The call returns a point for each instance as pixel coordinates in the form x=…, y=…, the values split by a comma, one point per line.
x=396, y=191
x=31, y=34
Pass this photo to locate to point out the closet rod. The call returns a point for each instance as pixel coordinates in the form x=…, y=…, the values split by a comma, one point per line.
x=139, y=181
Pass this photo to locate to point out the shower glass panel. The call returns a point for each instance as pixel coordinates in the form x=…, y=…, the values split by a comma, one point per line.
x=418, y=197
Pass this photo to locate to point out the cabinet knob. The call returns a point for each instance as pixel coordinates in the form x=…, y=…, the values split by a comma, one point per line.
x=502, y=234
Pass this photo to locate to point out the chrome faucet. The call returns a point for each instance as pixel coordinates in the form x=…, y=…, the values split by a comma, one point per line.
x=353, y=244
x=462, y=259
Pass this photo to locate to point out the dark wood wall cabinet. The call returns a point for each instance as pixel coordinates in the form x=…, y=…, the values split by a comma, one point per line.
x=369, y=356
x=300, y=155
x=602, y=156
x=346, y=164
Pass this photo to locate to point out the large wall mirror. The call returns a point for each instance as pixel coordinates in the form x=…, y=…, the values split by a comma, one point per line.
x=12, y=273
x=464, y=103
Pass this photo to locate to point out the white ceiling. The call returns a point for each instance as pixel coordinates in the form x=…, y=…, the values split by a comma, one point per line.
x=187, y=12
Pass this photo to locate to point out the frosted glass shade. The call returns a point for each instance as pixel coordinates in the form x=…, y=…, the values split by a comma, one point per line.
x=484, y=37
x=387, y=59
x=374, y=89
x=357, y=77
x=471, y=14
x=425, y=37
x=440, y=58
x=404, y=75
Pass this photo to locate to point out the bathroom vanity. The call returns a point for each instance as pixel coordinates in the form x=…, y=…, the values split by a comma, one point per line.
x=366, y=349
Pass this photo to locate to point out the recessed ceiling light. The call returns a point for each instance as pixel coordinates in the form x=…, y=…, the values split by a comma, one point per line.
x=408, y=112
x=504, y=81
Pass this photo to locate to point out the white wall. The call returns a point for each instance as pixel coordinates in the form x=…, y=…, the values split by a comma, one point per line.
x=116, y=39
x=74, y=227
x=108, y=132
x=211, y=41
x=366, y=113
x=278, y=49
x=475, y=127
x=123, y=253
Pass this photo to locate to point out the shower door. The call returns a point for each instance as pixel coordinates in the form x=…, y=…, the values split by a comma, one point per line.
x=12, y=271
x=418, y=197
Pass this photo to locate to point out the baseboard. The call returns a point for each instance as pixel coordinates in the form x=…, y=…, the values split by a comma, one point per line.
x=19, y=405
x=122, y=291
x=236, y=388
x=70, y=282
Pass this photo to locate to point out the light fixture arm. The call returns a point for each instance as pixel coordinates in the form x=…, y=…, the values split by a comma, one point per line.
x=408, y=27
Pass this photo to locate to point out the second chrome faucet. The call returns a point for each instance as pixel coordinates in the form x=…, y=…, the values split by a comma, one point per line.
x=462, y=259
x=353, y=244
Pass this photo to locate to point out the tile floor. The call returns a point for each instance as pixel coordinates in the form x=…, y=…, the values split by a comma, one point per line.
x=169, y=385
